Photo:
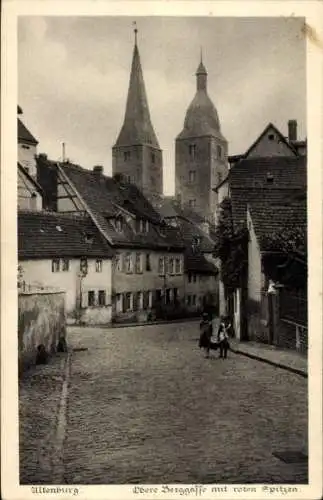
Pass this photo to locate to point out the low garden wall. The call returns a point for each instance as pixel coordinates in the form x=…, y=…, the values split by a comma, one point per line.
x=41, y=324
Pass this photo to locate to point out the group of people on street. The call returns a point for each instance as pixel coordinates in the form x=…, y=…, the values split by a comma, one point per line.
x=212, y=340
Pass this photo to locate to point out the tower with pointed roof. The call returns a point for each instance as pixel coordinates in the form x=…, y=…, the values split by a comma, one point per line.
x=136, y=155
x=200, y=152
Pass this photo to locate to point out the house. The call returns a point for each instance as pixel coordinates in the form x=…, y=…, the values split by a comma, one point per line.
x=271, y=142
x=148, y=262
x=201, y=272
x=67, y=252
x=27, y=147
x=277, y=315
x=30, y=194
x=273, y=182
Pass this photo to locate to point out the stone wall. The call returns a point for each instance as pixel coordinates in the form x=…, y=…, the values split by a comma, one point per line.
x=41, y=322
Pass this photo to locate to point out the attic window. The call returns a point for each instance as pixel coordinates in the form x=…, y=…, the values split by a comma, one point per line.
x=271, y=137
x=59, y=228
x=89, y=238
x=119, y=224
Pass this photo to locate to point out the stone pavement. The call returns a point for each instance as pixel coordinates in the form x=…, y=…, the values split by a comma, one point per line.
x=145, y=406
x=40, y=391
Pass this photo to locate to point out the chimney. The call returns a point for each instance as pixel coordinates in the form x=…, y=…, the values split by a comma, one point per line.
x=292, y=130
x=98, y=170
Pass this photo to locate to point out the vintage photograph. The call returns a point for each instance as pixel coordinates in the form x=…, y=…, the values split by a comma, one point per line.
x=162, y=250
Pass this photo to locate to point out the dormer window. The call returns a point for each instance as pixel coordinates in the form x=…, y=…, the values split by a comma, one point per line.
x=192, y=203
x=119, y=224
x=192, y=151
x=89, y=238
x=126, y=155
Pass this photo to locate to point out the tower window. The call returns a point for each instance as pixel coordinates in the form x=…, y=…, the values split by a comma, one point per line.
x=192, y=203
x=219, y=177
x=271, y=137
x=126, y=155
x=192, y=176
x=219, y=151
x=153, y=157
x=192, y=151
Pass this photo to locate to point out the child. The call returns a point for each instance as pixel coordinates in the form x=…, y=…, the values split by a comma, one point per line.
x=223, y=339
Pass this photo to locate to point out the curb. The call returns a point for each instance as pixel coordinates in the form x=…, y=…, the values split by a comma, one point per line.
x=291, y=369
x=146, y=323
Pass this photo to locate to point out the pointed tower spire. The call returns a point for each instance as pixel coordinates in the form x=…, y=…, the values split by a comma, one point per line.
x=136, y=154
x=137, y=127
x=201, y=75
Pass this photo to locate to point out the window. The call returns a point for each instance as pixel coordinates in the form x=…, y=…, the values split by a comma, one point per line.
x=193, y=300
x=178, y=265
x=194, y=278
x=192, y=151
x=168, y=295
x=161, y=265
x=152, y=157
x=138, y=263
x=102, y=297
x=25, y=147
x=150, y=298
x=127, y=301
x=65, y=265
x=55, y=265
x=128, y=263
x=171, y=266
x=192, y=176
x=118, y=262
x=189, y=278
x=140, y=301
x=126, y=155
x=188, y=300
x=98, y=266
x=192, y=203
x=91, y=298
x=148, y=264
x=219, y=151
x=83, y=265
x=147, y=226
x=119, y=224
x=271, y=137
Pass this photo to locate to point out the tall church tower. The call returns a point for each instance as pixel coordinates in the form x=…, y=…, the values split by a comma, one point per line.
x=137, y=154
x=201, y=152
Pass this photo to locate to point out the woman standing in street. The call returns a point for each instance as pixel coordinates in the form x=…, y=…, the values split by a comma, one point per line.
x=205, y=334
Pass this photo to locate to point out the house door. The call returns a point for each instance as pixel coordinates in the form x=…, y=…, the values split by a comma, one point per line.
x=271, y=318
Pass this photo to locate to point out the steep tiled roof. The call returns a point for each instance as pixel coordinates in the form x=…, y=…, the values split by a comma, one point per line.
x=50, y=235
x=269, y=180
x=268, y=218
x=108, y=198
x=240, y=197
x=196, y=262
x=254, y=172
x=24, y=135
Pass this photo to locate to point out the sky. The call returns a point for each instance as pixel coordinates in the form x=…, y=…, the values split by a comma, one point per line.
x=73, y=77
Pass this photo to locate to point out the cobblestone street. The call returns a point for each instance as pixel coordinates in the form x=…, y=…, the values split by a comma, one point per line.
x=145, y=406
